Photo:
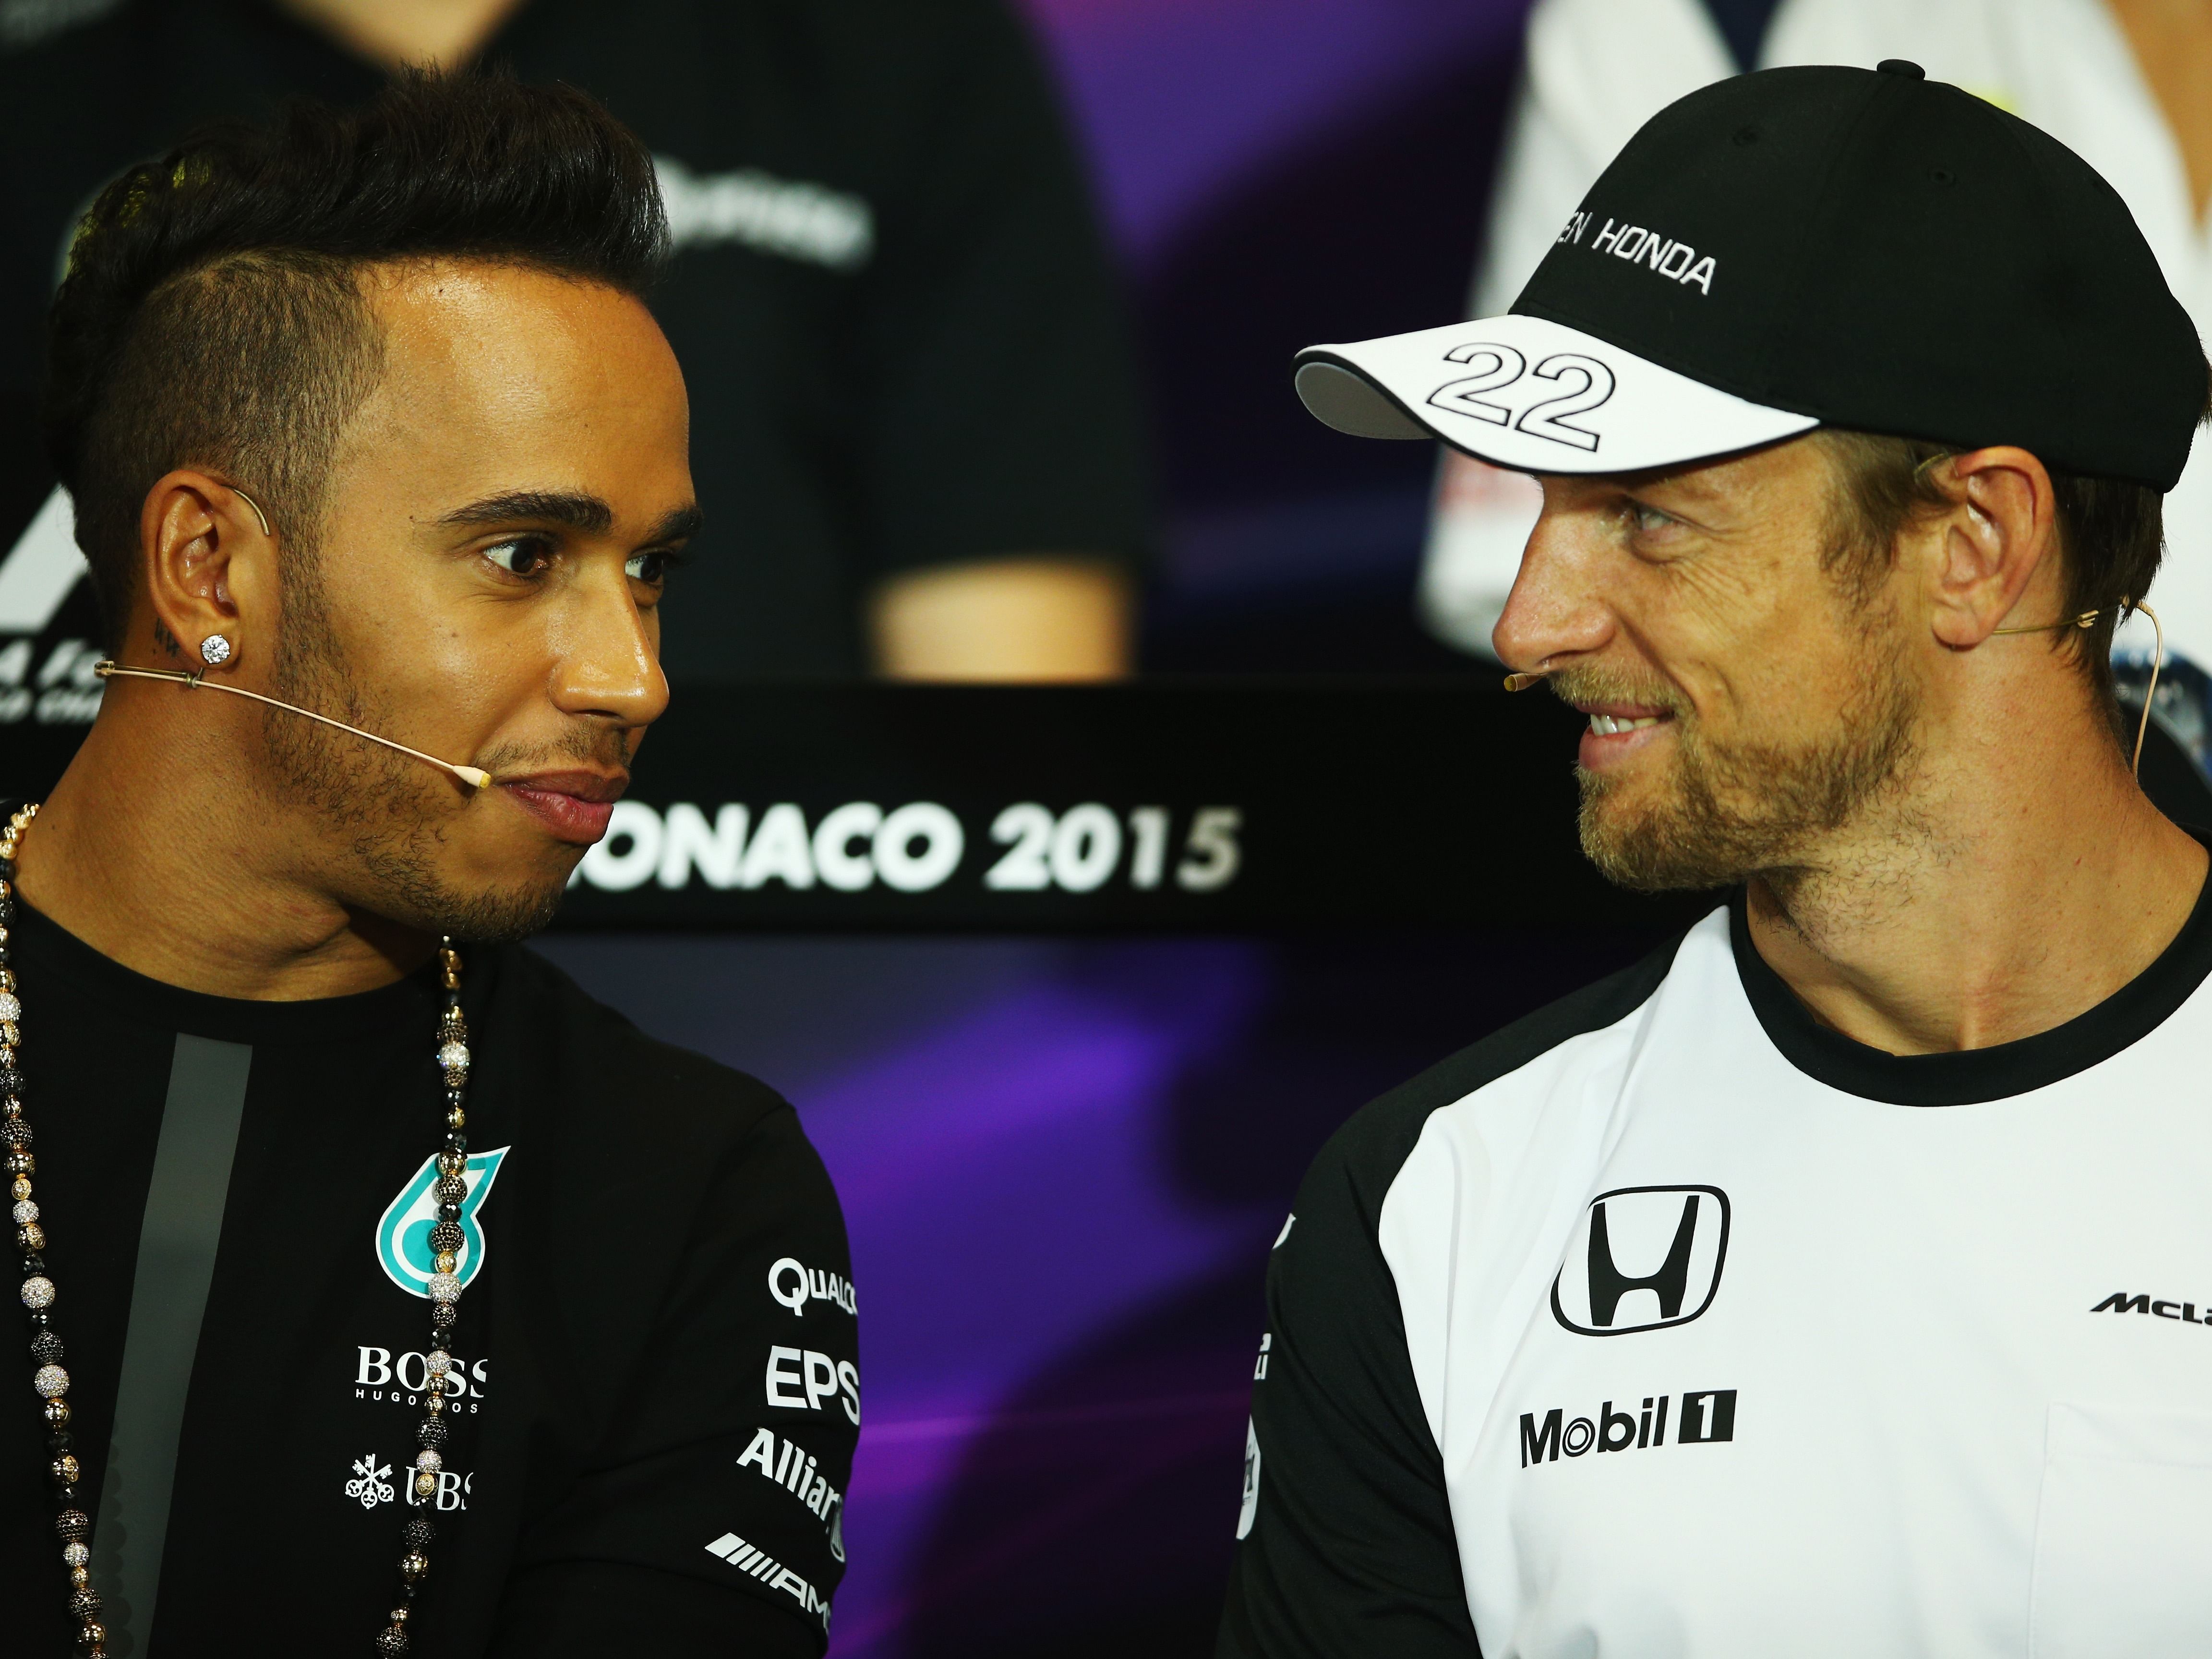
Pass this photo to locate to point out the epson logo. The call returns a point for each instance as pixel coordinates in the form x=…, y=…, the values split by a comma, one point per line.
x=1706, y=1419
x=1642, y=1258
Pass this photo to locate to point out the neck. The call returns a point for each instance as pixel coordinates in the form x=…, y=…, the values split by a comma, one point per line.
x=403, y=34
x=2007, y=886
x=162, y=849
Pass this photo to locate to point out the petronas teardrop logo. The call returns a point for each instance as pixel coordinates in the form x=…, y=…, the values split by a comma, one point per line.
x=402, y=1237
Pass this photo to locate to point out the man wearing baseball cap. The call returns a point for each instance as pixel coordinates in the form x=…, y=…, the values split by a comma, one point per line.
x=1834, y=1283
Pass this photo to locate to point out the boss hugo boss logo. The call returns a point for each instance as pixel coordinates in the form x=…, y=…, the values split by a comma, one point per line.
x=1642, y=1259
x=406, y=1378
x=1706, y=1419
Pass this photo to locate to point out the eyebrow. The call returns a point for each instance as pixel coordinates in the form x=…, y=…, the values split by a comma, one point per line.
x=574, y=509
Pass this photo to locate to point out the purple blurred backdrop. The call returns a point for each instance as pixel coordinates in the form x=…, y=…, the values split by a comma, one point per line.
x=1063, y=1162
x=1276, y=172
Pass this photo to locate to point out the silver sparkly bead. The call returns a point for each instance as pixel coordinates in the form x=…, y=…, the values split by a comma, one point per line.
x=439, y=1362
x=51, y=1380
x=426, y=1459
x=444, y=1287
x=75, y=1555
x=453, y=1056
x=10, y=1009
x=38, y=1292
x=24, y=1211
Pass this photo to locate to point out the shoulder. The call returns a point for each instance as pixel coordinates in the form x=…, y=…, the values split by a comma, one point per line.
x=589, y=1059
x=1364, y=1158
x=709, y=1169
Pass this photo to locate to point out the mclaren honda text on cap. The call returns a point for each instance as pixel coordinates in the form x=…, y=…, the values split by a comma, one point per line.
x=1802, y=247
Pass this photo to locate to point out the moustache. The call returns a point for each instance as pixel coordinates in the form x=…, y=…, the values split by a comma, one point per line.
x=1594, y=684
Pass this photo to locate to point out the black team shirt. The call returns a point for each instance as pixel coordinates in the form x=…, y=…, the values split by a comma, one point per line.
x=660, y=1398
x=889, y=296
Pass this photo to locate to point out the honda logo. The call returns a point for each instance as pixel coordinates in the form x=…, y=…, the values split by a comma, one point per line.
x=1642, y=1258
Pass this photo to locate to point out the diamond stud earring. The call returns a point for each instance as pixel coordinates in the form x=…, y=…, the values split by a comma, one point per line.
x=214, y=650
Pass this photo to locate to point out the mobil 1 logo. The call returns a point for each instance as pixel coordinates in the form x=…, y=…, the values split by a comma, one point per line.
x=1706, y=1417
x=1643, y=1259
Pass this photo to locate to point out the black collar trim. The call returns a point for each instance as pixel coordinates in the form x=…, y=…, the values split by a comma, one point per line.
x=56, y=954
x=1974, y=1075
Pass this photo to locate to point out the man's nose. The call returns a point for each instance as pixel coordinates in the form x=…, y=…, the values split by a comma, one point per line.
x=609, y=665
x=1556, y=608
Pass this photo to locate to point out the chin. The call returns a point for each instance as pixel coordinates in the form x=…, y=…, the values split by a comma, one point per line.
x=1653, y=846
x=511, y=899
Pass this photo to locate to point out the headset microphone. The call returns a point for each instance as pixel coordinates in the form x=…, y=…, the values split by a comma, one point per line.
x=474, y=777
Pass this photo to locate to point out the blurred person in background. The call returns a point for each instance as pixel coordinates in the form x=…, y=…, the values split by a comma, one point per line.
x=2126, y=84
x=914, y=426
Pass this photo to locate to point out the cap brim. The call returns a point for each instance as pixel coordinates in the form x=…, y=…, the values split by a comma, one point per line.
x=1532, y=395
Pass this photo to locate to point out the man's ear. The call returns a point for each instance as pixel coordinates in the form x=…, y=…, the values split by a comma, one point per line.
x=211, y=567
x=1991, y=553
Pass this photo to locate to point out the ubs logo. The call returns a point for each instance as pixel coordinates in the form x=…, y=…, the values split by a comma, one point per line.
x=1642, y=1259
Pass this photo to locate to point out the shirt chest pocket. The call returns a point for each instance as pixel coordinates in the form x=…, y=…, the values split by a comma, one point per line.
x=2123, y=1533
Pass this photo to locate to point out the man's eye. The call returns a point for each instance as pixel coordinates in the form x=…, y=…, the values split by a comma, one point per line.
x=523, y=556
x=1648, y=519
x=652, y=569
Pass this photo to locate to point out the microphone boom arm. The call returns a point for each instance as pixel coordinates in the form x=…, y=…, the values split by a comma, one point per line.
x=474, y=777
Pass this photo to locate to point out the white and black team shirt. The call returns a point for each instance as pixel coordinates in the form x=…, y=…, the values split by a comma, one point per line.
x=1669, y=1322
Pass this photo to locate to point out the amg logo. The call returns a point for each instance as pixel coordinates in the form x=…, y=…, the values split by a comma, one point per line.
x=752, y=1560
x=1706, y=1419
x=2121, y=1301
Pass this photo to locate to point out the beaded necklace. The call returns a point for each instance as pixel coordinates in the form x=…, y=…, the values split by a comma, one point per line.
x=51, y=1384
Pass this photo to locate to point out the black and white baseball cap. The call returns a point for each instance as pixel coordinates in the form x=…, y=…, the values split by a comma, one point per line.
x=1802, y=247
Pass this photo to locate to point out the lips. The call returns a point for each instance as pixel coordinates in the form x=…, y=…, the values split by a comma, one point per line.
x=1618, y=731
x=574, y=806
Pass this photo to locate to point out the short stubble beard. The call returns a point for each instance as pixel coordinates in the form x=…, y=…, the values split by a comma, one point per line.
x=1727, y=811
x=379, y=803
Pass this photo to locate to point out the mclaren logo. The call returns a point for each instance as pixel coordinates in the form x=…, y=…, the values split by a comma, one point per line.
x=1642, y=1258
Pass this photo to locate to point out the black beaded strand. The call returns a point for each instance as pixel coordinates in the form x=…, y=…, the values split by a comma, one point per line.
x=48, y=1380
x=445, y=1297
